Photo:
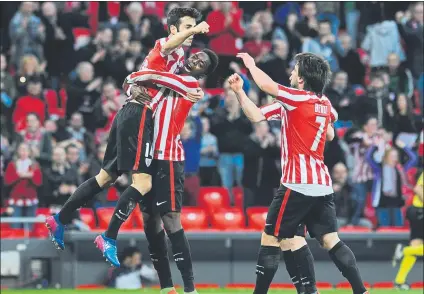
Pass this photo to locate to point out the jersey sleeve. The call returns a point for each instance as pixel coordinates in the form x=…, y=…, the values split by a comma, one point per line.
x=180, y=84
x=272, y=111
x=291, y=98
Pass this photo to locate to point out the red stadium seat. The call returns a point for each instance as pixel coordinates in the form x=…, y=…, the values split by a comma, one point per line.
x=238, y=197
x=105, y=214
x=240, y=286
x=112, y=194
x=256, y=217
x=354, y=229
x=90, y=286
x=213, y=198
x=12, y=233
x=383, y=285
x=193, y=218
x=228, y=219
x=417, y=285
x=324, y=285
x=39, y=229
x=87, y=216
x=392, y=230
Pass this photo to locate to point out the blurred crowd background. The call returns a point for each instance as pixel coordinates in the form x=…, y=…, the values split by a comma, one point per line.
x=63, y=64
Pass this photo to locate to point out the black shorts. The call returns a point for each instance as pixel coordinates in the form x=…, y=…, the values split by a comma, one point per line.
x=415, y=216
x=129, y=147
x=167, y=188
x=290, y=210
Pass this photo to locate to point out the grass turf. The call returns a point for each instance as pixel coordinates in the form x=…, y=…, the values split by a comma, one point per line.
x=203, y=291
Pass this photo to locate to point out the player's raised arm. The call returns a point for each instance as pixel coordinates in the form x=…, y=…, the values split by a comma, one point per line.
x=177, y=39
x=264, y=82
x=252, y=112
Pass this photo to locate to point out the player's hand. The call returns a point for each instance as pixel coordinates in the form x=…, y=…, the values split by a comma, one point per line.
x=196, y=96
x=236, y=82
x=248, y=60
x=202, y=28
x=141, y=95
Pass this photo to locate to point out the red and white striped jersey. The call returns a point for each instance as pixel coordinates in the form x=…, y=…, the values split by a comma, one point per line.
x=170, y=110
x=304, y=121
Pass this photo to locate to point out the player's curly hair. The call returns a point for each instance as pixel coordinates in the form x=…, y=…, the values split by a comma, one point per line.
x=174, y=16
x=214, y=60
x=314, y=70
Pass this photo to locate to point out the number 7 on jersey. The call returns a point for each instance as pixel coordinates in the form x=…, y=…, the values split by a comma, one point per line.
x=321, y=120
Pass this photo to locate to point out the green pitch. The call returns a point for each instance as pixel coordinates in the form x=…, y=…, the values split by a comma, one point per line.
x=216, y=291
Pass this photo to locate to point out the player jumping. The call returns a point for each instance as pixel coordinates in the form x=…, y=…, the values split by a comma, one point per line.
x=163, y=204
x=306, y=194
x=130, y=140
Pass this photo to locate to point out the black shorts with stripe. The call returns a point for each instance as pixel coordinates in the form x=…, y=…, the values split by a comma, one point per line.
x=129, y=147
x=167, y=188
x=290, y=211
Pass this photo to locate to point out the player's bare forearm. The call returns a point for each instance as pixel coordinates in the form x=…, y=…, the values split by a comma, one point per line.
x=252, y=112
x=330, y=133
x=177, y=40
x=264, y=82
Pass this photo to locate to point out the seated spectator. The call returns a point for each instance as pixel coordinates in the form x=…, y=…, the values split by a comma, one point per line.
x=81, y=135
x=351, y=63
x=271, y=32
x=26, y=32
x=60, y=180
x=276, y=63
x=209, y=154
x=402, y=116
x=260, y=174
x=37, y=138
x=132, y=272
x=308, y=26
x=389, y=177
x=23, y=176
x=341, y=95
x=33, y=102
x=400, y=79
x=326, y=45
x=83, y=94
x=29, y=68
x=255, y=45
x=291, y=35
x=191, y=136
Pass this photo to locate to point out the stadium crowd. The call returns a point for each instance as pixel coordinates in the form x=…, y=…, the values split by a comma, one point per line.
x=63, y=64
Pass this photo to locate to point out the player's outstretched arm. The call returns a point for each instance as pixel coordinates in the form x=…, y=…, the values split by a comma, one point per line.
x=252, y=112
x=178, y=39
x=330, y=133
x=264, y=82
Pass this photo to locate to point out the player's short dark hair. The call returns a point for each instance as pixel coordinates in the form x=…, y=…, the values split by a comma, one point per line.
x=214, y=60
x=174, y=16
x=314, y=70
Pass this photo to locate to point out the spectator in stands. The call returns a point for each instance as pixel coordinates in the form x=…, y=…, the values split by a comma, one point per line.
x=291, y=35
x=225, y=34
x=362, y=175
x=60, y=180
x=7, y=88
x=401, y=80
x=191, y=137
x=411, y=31
x=255, y=45
x=74, y=159
x=326, y=45
x=29, y=67
x=83, y=94
x=232, y=128
x=27, y=33
x=402, y=116
x=380, y=41
x=81, y=135
x=351, y=63
x=209, y=155
x=260, y=173
x=36, y=137
x=341, y=95
x=23, y=176
x=389, y=178
x=308, y=26
x=271, y=32
x=132, y=272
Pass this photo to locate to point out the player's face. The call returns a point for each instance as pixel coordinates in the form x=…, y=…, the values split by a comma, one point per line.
x=294, y=77
x=186, y=23
x=197, y=64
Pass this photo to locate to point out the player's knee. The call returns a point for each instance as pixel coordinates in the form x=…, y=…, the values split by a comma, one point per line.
x=269, y=240
x=172, y=222
x=142, y=182
x=416, y=242
x=103, y=178
x=329, y=240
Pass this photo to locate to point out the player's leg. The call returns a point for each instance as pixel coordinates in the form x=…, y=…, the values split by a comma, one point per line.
x=169, y=192
x=322, y=225
x=87, y=190
x=281, y=222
